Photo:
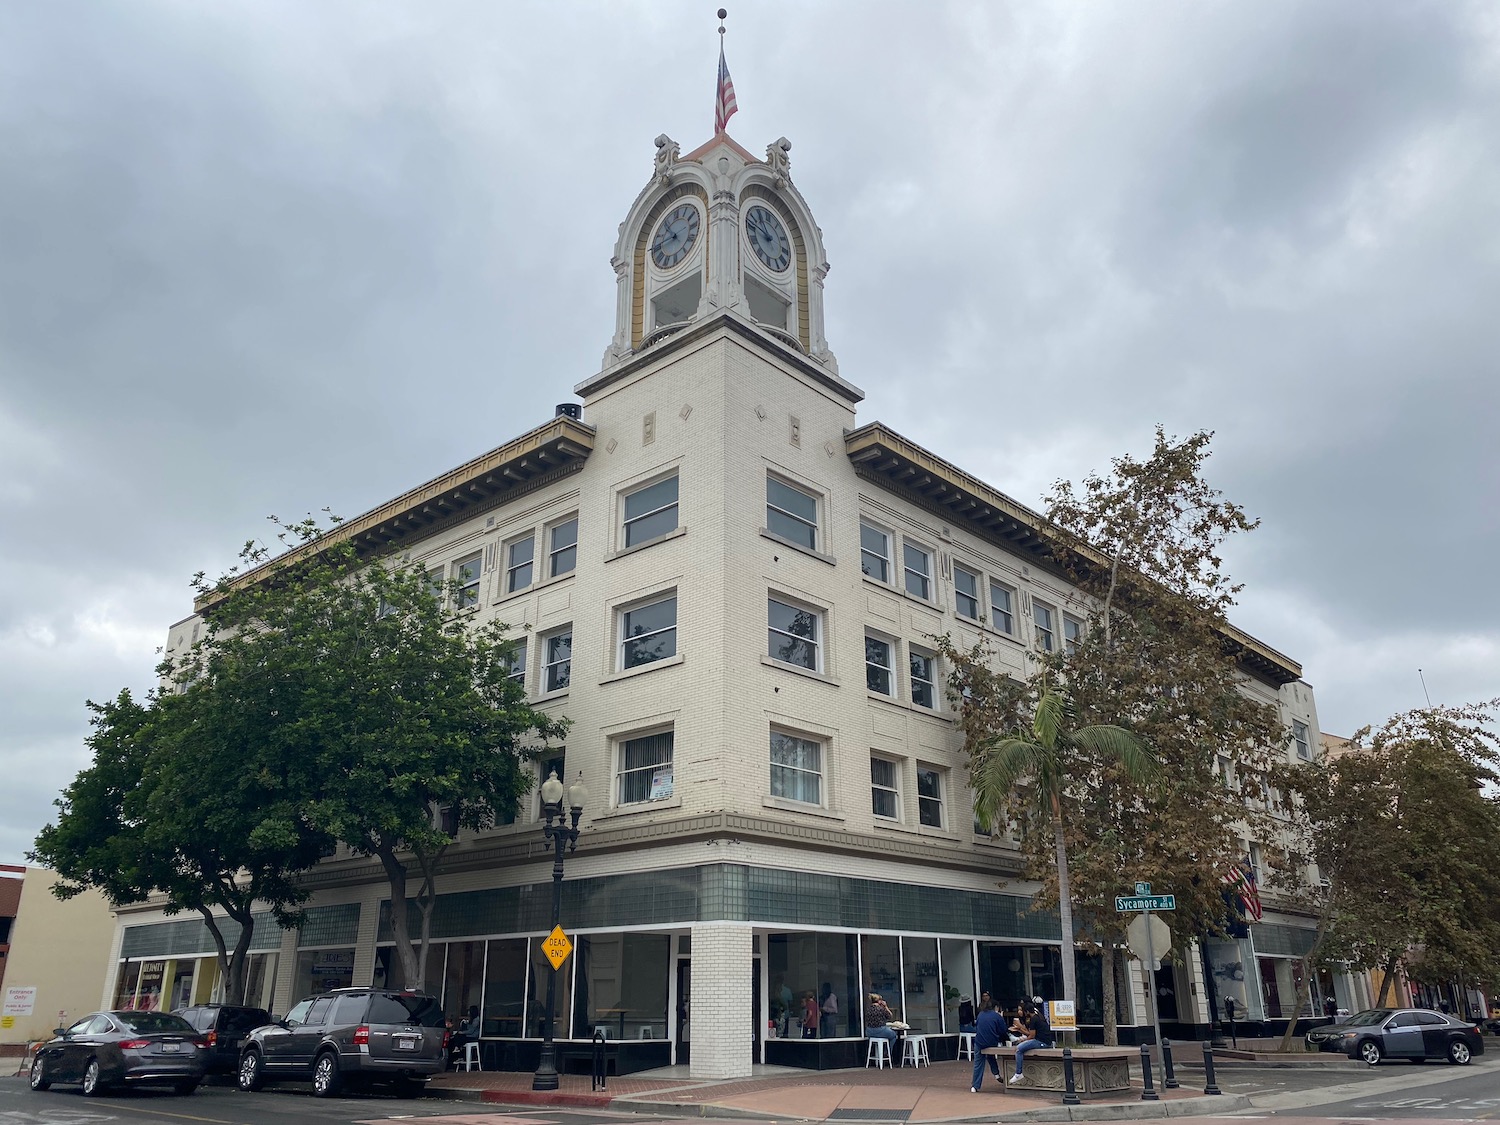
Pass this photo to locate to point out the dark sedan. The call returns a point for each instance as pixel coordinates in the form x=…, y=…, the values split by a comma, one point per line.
x=108, y=1049
x=1399, y=1033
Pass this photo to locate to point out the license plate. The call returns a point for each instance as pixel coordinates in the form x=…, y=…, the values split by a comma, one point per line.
x=405, y=1044
x=171, y=1048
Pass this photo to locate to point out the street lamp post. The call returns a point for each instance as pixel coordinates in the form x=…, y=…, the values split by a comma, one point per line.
x=563, y=836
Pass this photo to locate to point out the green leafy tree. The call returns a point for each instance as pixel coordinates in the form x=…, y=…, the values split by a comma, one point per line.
x=397, y=707
x=1035, y=766
x=169, y=807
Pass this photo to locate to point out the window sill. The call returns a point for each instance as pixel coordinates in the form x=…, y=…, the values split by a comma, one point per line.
x=798, y=670
x=512, y=595
x=767, y=533
x=790, y=805
x=902, y=592
x=549, y=696
x=643, y=808
x=642, y=669
x=915, y=708
x=675, y=533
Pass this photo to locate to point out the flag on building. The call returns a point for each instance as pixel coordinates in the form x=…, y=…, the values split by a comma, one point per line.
x=1240, y=881
x=724, y=104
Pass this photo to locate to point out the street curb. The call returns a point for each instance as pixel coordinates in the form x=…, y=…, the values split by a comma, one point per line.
x=1133, y=1111
x=520, y=1097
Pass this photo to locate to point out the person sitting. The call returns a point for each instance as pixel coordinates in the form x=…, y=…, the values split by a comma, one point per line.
x=1039, y=1034
x=1016, y=1031
x=877, y=1015
x=988, y=1032
x=465, y=1033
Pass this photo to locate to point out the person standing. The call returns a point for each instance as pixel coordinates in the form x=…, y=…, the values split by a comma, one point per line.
x=830, y=1009
x=989, y=1030
x=965, y=1015
x=1038, y=1034
x=809, y=1016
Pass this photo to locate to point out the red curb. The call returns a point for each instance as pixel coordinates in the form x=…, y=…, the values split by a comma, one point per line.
x=545, y=1097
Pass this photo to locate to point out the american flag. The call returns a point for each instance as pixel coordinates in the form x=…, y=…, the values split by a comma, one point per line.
x=1240, y=879
x=724, y=104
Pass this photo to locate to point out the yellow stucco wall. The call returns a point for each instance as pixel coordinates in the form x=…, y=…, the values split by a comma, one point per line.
x=61, y=948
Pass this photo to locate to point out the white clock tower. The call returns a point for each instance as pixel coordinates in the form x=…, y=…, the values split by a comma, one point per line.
x=718, y=231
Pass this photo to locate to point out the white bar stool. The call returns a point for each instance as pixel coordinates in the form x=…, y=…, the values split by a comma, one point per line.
x=471, y=1057
x=915, y=1051
x=966, y=1044
x=878, y=1053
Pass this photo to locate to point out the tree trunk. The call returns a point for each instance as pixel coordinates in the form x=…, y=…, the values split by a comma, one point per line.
x=426, y=900
x=1064, y=904
x=223, y=956
x=395, y=873
x=1325, y=919
x=234, y=985
x=1386, y=978
x=1107, y=983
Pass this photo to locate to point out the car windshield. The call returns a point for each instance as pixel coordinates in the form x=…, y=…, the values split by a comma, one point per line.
x=150, y=1023
x=406, y=1007
x=1364, y=1019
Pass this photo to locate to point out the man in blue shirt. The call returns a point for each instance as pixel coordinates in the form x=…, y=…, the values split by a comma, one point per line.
x=988, y=1032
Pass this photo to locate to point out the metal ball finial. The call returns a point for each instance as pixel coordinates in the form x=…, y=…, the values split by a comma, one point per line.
x=722, y=13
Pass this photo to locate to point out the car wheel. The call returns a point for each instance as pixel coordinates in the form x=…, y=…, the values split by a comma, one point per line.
x=93, y=1080
x=250, y=1078
x=326, y=1078
x=1370, y=1051
x=39, y=1079
x=183, y=1089
x=1458, y=1053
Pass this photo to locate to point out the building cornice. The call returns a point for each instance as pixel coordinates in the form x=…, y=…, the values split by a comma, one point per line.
x=885, y=458
x=536, y=458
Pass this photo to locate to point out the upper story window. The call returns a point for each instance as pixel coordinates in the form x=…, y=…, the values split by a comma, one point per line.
x=648, y=632
x=796, y=768
x=885, y=795
x=1072, y=633
x=562, y=547
x=651, y=512
x=929, y=796
x=519, y=563
x=466, y=577
x=557, y=660
x=435, y=583
x=517, y=662
x=965, y=592
x=791, y=513
x=1003, y=607
x=1043, y=616
x=918, y=567
x=794, y=634
x=923, y=678
x=1301, y=741
x=880, y=666
x=874, y=552
x=645, y=769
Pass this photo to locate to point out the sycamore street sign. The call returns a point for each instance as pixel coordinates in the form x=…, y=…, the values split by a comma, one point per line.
x=1125, y=903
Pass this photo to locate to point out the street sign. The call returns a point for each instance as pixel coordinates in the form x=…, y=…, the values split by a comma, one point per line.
x=557, y=947
x=1145, y=902
x=1149, y=939
x=1143, y=888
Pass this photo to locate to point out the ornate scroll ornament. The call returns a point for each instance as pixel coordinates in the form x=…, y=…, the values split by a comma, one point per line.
x=667, y=151
x=779, y=158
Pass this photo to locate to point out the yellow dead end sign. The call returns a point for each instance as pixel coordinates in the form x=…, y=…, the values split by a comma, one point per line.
x=557, y=947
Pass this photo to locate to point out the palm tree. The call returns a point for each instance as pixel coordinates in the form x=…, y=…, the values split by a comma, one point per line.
x=1043, y=757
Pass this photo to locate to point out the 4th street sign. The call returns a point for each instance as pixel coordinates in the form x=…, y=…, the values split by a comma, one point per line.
x=1124, y=903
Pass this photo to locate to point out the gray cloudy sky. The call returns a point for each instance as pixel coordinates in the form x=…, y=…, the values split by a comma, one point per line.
x=264, y=257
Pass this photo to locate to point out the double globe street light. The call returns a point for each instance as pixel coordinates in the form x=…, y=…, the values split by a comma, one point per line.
x=564, y=837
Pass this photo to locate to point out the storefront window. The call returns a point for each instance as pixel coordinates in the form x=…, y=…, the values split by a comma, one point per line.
x=182, y=985
x=1091, y=988
x=621, y=985
x=130, y=976
x=1229, y=961
x=536, y=1006
x=958, y=979
x=505, y=987
x=882, y=960
x=319, y=970
x=463, y=981
x=923, y=993
x=1002, y=972
x=260, y=979
x=148, y=999
x=824, y=965
x=1280, y=978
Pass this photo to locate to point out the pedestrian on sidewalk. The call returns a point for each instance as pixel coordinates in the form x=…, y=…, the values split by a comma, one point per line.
x=1038, y=1034
x=988, y=1032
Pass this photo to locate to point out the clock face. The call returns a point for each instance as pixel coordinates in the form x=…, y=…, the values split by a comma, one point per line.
x=675, y=237
x=769, y=238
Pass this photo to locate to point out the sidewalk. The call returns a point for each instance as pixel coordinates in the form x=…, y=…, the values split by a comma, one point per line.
x=929, y=1094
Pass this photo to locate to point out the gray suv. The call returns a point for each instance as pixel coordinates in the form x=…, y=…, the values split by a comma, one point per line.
x=353, y=1036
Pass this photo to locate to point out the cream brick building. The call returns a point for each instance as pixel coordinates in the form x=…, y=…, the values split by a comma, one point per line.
x=731, y=587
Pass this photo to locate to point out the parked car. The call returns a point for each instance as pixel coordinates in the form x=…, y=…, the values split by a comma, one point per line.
x=223, y=1028
x=1399, y=1033
x=350, y=1036
x=108, y=1049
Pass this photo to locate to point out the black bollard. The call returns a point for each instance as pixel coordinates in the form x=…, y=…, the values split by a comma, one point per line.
x=1170, y=1081
x=599, y=1075
x=1148, y=1087
x=1209, y=1085
x=1070, y=1090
